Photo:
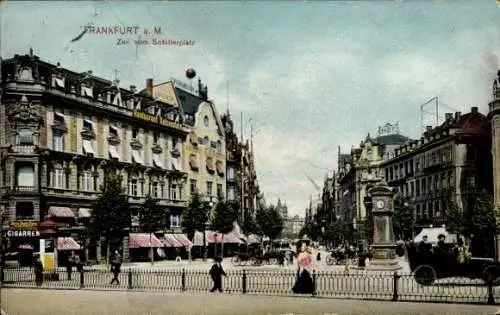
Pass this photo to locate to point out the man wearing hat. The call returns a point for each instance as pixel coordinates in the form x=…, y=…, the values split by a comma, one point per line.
x=216, y=272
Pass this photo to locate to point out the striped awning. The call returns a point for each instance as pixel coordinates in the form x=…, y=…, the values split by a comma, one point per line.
x=61, y=212
x=67, y=243
x=169, y=240
x=252, y=239
x=143, y=240
x=182, y=238
x=229, y=238
x=198, y=238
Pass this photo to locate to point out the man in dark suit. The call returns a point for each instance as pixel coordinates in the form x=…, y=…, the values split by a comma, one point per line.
x=216, y=272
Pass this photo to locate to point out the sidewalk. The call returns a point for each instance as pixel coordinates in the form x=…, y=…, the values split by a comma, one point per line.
x=46, y=302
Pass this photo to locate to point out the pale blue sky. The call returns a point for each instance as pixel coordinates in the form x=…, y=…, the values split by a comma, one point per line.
x=310, y=75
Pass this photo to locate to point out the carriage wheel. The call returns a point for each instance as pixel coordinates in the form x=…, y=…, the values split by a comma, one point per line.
x=425, y=275
x=491, y=274
x=273, y=261
x=252, y=261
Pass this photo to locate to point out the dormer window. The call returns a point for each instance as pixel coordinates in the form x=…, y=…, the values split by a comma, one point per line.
x=58, y=81
x=87, y=91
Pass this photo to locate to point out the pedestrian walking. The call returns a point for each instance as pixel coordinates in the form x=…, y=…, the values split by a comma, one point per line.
x=216, y=272
x=69, y=265
x=38, y=268
x=115, y=267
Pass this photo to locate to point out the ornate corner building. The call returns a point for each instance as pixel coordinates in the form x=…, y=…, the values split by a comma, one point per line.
x=61, y=131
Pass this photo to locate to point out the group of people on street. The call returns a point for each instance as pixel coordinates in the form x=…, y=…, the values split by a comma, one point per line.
x=444, y=253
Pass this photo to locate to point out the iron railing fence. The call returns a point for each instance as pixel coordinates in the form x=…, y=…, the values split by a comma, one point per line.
x=359, y=284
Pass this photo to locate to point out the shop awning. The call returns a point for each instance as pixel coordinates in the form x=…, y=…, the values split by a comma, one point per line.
x=182, y=238
x=84, y=213
x=198, y=238
x=61, y=212
x=169, y=240
x=67, y=243
x=229, y=238
x=252, y=239
x=143, y=240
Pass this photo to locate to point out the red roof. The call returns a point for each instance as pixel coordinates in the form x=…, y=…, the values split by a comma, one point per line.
x=143, y=240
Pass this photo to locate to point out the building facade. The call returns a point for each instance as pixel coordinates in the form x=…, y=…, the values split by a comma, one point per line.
x=61, y=131
x=242, y=183
x=292, y=227
x=363, y=170
x=450, y=163
x=204, y=147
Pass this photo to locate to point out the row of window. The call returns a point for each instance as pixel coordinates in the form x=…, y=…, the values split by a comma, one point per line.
x=88, y=181
x=418, y=163
x=209, y=189
x=424, y=185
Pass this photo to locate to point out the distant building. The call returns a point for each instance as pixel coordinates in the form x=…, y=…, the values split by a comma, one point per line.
x=292, y=227
x=282, y=209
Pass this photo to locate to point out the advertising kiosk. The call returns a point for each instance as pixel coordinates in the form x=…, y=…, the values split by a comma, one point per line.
x=48, y=248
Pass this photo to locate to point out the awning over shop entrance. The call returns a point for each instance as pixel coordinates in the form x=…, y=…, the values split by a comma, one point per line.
x=198, y=238
x=143, y=240
x=229, y=238
x=169, y=240
x=61, y=212
x=182, y=238
x=67, y=243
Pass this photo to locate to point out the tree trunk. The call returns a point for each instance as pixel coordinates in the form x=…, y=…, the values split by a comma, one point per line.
x=107, y=252
x=151, y=251
x=222, y=246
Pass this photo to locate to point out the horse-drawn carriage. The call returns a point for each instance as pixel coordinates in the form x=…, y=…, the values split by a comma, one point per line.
x=257, y=259
x=427, y=267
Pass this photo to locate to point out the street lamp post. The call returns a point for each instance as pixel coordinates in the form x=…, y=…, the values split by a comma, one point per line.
x=209, y=204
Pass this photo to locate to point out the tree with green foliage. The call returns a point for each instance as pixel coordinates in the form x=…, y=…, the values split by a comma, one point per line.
x=249, y=225
x=111, y=216
x=270, y=222
x=403, y=219
x=335, y=232
x=456, y=220
x=223, y=220
x=150, y=219
x=195, y=216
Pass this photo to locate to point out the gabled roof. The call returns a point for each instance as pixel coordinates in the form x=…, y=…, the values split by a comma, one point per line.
x=394, y=139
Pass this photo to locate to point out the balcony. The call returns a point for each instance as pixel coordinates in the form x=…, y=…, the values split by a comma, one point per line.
x=21, y=189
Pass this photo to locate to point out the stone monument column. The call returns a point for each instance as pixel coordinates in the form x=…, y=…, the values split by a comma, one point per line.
x=383, y=247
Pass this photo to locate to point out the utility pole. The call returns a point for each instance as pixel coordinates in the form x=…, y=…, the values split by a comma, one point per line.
x=242, y=166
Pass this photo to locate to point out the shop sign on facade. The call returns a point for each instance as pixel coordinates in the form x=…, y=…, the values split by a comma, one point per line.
x=22, y=233
x=30, y=225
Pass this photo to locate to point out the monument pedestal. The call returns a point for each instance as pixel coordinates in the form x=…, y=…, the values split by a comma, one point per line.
x=380, y=201
x=383, y=259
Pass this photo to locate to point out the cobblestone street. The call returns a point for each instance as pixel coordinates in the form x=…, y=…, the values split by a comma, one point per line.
x=55, y=302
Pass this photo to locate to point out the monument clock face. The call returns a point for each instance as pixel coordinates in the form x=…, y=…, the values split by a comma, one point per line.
x=380, y=204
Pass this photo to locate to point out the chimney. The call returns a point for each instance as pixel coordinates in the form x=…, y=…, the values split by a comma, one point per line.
x=133, y=89
x=428, y=128
x=457, y=115
x=449, y=116
x=149, y=87
x=474, y=110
